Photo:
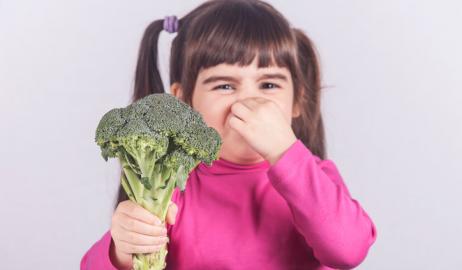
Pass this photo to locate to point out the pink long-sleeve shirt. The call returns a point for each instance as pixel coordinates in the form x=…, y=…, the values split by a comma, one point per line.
x=294, y=214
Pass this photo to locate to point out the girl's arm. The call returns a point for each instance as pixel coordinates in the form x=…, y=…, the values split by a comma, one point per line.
x=98, y=257
x=333, y=224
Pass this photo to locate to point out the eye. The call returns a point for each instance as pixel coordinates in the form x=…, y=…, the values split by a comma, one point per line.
x=222, y=87
x=270, y=85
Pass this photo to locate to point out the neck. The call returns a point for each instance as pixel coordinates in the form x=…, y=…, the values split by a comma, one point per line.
x=241, y=160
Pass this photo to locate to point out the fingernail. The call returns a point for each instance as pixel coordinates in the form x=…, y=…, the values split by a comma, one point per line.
x=157, y=222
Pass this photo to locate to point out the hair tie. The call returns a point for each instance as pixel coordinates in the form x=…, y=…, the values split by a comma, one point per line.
x=171, y=24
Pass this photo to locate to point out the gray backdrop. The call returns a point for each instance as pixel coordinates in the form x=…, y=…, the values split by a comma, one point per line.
x=392, y=108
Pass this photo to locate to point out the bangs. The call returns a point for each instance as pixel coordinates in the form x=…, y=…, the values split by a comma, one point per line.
x=236, y=32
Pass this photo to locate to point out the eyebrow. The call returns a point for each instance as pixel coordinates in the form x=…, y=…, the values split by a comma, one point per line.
x=212, y=79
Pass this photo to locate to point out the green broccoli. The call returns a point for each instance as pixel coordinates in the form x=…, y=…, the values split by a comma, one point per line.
x=158, y=140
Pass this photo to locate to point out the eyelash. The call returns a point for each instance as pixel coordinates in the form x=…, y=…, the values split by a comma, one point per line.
x=217, y=87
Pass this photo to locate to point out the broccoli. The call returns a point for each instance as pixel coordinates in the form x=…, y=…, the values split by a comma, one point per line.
x=158, y=140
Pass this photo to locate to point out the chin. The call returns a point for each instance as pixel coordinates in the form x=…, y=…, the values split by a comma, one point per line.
x=235, y=147
x=239, y=150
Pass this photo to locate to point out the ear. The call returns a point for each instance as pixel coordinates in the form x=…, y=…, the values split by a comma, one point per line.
x=296, y=111
x=177, y=91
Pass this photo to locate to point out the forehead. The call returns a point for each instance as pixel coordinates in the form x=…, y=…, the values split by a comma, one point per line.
x=251, y=70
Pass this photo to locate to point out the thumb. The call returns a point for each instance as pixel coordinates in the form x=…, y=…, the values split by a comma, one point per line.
x=171, y=213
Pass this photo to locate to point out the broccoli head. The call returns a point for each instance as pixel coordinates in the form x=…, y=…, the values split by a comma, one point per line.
x=158, y=140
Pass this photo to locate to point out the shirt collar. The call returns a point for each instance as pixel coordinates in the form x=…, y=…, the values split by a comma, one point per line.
x=223, y=166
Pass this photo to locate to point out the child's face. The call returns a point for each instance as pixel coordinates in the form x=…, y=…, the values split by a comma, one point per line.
x=213, y=98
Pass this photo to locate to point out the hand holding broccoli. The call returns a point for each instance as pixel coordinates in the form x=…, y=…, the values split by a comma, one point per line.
x=136, y=230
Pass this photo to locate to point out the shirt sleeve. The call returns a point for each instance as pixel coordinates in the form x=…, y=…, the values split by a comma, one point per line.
x=97, y=257
x=333, y=224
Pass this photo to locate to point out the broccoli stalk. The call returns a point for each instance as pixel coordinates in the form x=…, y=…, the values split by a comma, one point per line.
x=158, y=141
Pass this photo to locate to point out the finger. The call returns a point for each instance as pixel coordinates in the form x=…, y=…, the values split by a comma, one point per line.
x=249, y=103
x=237, y=124
x=136, y=211
x=134, y=225
x=241, y=111
x=171, y=213
x=132, y=249
x=143, y=240
x=261, y=100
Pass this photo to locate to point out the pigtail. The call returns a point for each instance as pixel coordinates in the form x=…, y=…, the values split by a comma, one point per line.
x=309, y=127
x=147, y=75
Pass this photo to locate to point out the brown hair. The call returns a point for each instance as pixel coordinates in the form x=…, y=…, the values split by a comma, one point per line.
x=235, y=32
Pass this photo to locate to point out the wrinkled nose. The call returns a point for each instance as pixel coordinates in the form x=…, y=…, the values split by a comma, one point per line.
x=248, y=92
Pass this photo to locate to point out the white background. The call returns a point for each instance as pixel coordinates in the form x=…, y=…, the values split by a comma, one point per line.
x=392, y=109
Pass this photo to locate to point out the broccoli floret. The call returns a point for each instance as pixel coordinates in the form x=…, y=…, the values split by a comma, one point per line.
x=159, y=140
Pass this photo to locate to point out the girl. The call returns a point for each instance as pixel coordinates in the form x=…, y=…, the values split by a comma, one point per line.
x=272, y=200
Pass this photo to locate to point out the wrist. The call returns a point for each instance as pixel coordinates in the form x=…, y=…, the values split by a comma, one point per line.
x=274, y=157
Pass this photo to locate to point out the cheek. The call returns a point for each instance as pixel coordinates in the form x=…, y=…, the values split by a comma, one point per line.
x=213, y=111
